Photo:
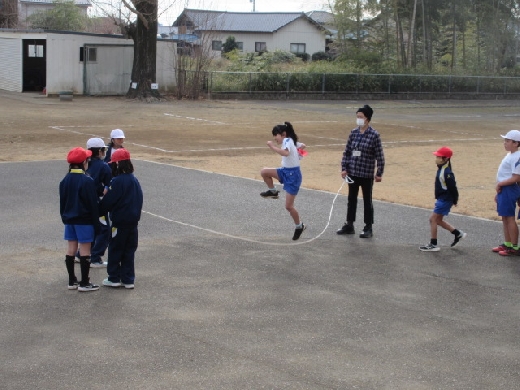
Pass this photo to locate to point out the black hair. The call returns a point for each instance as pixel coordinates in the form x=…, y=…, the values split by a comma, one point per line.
x=96, y=151
x=287, y=129
x=125, y=166
x=367, y=111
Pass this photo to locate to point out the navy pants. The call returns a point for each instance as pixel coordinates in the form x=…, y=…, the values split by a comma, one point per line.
x=121, y=254
x=366, y=184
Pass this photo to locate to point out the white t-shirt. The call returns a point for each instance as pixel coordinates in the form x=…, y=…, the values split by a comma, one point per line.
x=293, y=159
x=510, y=165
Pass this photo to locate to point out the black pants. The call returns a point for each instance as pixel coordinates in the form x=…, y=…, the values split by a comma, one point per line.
x=366, y=184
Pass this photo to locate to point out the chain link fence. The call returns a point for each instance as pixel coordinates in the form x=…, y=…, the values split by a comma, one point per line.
x=343, y=85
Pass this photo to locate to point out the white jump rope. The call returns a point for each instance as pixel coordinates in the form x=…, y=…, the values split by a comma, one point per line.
x=348, y=180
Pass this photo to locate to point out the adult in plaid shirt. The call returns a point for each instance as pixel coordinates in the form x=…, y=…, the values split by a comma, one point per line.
x=358, y=167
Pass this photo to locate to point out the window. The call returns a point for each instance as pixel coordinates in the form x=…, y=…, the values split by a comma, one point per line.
x=35, y=51
x=91, y=54
x=260, y=47
x=240, y=46
x=216, y=45
x=297, y=48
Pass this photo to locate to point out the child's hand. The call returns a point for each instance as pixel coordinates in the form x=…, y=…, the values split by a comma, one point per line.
x=270, y=143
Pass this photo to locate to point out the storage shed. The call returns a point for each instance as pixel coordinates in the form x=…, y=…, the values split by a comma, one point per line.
x=84, y=63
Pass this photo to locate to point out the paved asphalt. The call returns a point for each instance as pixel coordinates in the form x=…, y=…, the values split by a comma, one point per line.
x=224, y=300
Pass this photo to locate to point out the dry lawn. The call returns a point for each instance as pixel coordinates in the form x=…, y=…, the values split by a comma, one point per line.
x=230, y=137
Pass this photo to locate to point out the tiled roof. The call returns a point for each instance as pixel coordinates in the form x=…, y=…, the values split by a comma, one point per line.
x=239, y=21
x=77, y=2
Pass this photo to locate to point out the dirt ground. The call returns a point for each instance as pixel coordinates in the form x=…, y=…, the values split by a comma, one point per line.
x=230, y=137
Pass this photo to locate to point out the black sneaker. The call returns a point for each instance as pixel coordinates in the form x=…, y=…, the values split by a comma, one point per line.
x=88, y=287
x=73, y=285
x=367, y=232
x=298, y=232
x=347, y=228
x=459, y=237
x=270, y=194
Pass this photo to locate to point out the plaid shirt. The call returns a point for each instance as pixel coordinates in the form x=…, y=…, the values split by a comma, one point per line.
x=369, y=144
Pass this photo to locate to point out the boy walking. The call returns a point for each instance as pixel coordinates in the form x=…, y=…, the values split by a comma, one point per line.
x=508, y=192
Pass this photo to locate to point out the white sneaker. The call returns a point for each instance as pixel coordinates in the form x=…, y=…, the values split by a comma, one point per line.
x=128, y=285
x=102, y=264
x=108, y=283
x=429, y=248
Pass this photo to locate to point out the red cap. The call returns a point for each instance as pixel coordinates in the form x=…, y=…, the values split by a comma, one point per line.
x=120, y=155
x=444, y=152
x=78, y=155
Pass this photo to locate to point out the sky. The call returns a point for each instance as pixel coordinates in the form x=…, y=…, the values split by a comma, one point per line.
x=168, y=17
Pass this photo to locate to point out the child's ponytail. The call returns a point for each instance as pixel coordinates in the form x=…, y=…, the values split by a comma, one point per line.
x=289, y=132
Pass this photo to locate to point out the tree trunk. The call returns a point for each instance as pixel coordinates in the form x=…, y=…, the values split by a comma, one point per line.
x=145, y=52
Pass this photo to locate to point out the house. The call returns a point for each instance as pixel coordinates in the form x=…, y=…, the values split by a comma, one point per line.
x=28, y=7
x=258, y=32
x=84, y=63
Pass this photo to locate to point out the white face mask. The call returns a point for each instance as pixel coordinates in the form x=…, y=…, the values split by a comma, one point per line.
x=360, y=122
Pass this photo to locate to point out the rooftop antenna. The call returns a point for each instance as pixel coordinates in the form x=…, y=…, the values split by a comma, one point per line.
x=253, y=1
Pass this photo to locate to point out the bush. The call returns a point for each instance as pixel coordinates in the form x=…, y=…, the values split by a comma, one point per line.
x=304, y=56
x=321, y=56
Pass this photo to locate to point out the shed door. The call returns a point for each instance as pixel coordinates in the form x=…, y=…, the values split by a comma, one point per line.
x=34, y=64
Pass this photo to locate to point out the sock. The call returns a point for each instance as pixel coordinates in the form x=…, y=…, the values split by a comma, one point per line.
x=84, y=262
x=272, y=189
x=455, y=232
x=298, y=226
x=508, y=244
x=69, y=263
x=515, y=247
x=433, y=241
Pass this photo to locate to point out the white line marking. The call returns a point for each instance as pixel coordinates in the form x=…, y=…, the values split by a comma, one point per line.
x=194, y=119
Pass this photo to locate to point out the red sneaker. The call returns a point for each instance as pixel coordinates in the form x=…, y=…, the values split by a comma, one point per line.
x=510, y=252
x=499, y=248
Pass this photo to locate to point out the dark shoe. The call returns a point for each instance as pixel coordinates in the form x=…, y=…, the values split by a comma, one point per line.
x=367, y=232
x=429, y=248
x=88, y=287
x=270, y=194
x=298, y=232
x=459, y=237
x=73, y=284
x=347, y=228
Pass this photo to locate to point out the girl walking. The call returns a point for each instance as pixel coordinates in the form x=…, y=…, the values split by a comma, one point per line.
x=289, y=174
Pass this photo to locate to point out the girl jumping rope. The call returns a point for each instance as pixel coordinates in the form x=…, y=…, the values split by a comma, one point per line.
x=289, y=174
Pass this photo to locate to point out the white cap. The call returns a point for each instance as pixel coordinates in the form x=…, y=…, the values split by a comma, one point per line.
x=117, y=133
x=513, y=135
x=95, y=143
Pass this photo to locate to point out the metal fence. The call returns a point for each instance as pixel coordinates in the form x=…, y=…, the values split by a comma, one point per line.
x=255, y=84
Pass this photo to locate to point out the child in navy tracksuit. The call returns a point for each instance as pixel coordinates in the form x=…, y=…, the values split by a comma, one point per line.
x=79, y=213
x=102, y=174
x=446, y=195
x=124, y=201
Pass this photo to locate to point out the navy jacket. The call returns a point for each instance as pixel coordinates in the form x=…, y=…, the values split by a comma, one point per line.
x=101, y=173
x=78, y=199
x=445, y=185
x=124, y=200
